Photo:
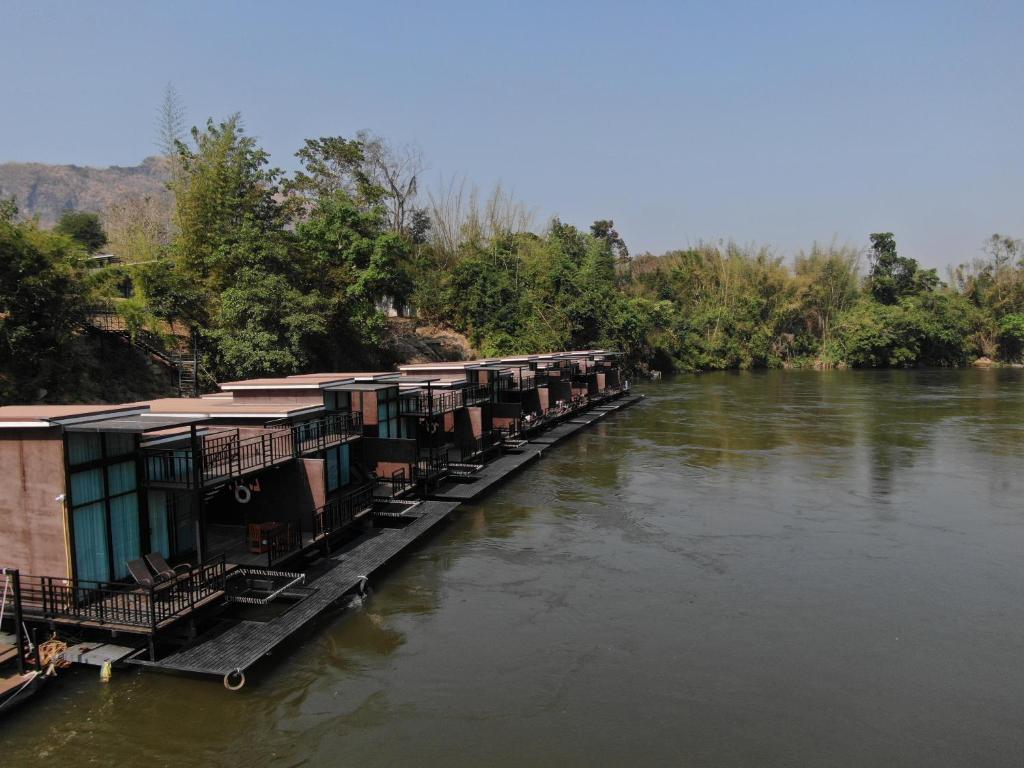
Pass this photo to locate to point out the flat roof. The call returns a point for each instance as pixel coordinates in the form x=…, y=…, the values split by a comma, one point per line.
x=357, y=375
x=308, y=381
x=51, y=415
x=363, y=386
x=216, y=407
x=144, y=422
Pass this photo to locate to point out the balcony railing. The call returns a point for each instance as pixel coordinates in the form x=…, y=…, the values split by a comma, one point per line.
x=318, y=434
x=481, y=447
x=227, y=455
x=340, y=512
x=145, y=609
x=434, y=403
x=429, y=469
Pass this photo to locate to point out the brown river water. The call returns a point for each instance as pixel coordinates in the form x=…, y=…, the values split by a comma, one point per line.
x=759, y=569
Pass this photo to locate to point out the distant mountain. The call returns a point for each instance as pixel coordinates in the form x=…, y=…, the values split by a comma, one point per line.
x=48, y=190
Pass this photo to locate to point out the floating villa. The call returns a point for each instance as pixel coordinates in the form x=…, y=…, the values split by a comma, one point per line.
x=198, y=534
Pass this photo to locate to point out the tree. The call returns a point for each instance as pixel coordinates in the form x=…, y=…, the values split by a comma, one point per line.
x=41, y=305
x=225, y=190
x=170, y=121
x=138, y=228
x=604, y=229
x=893, y=276
x=84, y=228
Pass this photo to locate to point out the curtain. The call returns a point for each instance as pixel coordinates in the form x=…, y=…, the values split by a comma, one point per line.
x=90, y=532
x=121, y=478
x=332, y=469
x=83, y=447
x=159, y=538
x=124, y=532
x=184, y=527
x=344, y=465
x=86, y=486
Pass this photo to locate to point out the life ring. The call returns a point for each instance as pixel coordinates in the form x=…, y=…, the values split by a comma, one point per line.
x=242, y=493
x=432, y=427
x=238, y=676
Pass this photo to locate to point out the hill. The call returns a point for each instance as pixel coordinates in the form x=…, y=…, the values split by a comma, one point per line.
x=47, y=190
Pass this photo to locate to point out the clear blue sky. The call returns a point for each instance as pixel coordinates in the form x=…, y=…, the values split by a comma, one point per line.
x=766, y=122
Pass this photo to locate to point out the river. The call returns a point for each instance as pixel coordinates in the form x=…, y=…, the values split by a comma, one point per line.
x=753, y=569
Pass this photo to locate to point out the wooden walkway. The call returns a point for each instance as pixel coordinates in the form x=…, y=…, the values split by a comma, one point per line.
x=236, y=646
x=242, y=644
x=468, y=488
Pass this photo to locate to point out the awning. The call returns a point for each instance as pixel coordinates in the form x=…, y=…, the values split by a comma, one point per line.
x=135, y=425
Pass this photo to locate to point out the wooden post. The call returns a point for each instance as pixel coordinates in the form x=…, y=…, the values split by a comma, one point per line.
x=18, y=631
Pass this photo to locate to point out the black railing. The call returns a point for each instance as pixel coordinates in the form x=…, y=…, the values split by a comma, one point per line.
x=282, y=541
x=226, y=454
x=510, y=432
x=429, y=468
x=340, y=512
x=398, y=481
x=424, y=404
x=145, y=609
x=475, y=394
x=434, y=403
x=481, y=447
x=324, y=432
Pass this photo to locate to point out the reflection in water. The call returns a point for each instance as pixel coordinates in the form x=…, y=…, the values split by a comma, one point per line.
x=785, y=568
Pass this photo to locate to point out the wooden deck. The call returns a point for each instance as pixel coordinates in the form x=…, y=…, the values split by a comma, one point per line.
x=239, y=646
x=468, y=488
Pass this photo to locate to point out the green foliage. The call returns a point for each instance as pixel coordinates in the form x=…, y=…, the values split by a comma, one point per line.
x=1011, y=336
x=930, y=329
x=84, y=228
x=892, y=276
x=41, y=304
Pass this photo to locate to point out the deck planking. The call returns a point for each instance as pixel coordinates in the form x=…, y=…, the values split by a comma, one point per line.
x=242, y=644
x=487, y=477
x=246, y=642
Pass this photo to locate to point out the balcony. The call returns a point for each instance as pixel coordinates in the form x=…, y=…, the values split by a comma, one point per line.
x=122, y=607
x=340, y=512
x=445, y=401
x=225, y=455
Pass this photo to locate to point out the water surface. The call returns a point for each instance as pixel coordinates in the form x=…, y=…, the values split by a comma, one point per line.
x=765, y=569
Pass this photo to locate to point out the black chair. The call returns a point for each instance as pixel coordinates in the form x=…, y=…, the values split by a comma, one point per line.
x=163, y=570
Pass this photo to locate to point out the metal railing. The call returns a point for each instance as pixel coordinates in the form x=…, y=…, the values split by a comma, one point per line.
x=434, y=403
x=479, y=447
x=125, y=605
x=226, y=454
x=430, y=468
x=398, y=481
x=282, y=541
x=340, y=512
x=324, y=432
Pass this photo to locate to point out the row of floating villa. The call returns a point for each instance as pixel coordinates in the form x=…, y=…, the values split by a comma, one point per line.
x=198, y=534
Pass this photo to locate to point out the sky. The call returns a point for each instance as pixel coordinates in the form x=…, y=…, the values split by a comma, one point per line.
x=769, y=123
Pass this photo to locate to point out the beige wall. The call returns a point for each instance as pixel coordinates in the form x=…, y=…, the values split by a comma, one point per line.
x=32, y=530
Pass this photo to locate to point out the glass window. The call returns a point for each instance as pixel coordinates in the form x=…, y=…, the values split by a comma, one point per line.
x=124, y=532
x=121, y=478
x=86, y=486
x=90, y=524
x=343, y=465
x=159, y=538
x=84, y=447
x=332, y=469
